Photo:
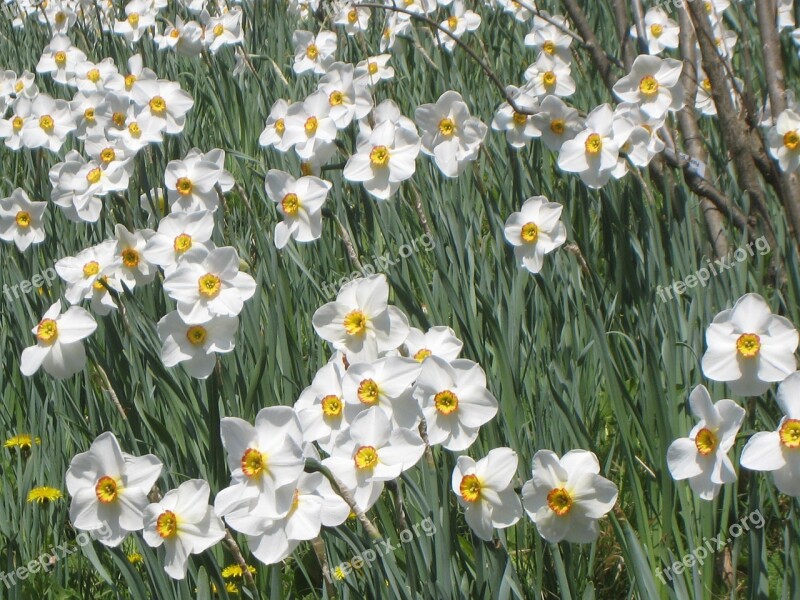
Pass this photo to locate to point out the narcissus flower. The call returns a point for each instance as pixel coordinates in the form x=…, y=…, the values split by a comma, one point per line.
x=557, y=122
x=549, y=76
x=749, y=347
x=702, y=458
x=660, y=31
x=320, y=406
x=449, y=133
x=371, y=452
x=49, y=123
x=60, y=58
x=386, y=384
x=208, y=283
x=374, y=69
x=191, y=182
x=59, y=349
x=360, y=321
x=299, y=202
x=133, y=268
x=21, y=220
x=184, y=523
x=313, y=53
x=164, y=102
x=519, y=127
x=178, y=233
x=654, y=84
x=567, y=496
x=195, y=345
x=535, y=231
x=784, y=141
x=84, y=271
x=779, y=451
x=485, y=490
x=437, y=341
x=109, y=489
x=349, y=98
x=550, y=37
x=461, y=21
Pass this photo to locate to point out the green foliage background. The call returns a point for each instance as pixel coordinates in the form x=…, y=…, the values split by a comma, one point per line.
x=578, y=356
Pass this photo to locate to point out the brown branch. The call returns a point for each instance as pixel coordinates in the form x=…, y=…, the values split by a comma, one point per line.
x=586, y=31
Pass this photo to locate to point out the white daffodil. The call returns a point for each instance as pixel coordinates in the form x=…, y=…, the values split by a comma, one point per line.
x=165, y=103
x=370, y=452
x=549, y=76
x=185, y=38
x=557, y=122
x=784, y=141
x=360, y=321
x=385, y=383
x=779, y=451
x=140, y=17
x=660, y=31
x=85, y=272
x=191, y=182
x=749, y=347
x=353, y=19
x=184, y=523
x=643, y=144
x=59, y=349
x=225, y=30
x=485, y=490
x=178, y=233
x=275, y=127
x=60, y=59
x=461, y=21
x=75, y=183
x=308, y=125
x=374, y=69
x=115, y=164
x=21, y=220
x=449, y=133
x=313, y=53
x=48, y=125
x=455, y=401
x=549, y=37
x=299, y=202
x=208, y=283
x=519, y=127
x=567, y=496
x=385, y=155
x=320, y=406
x=109, y=489
x=653, y=83
x=195, y=345
x=264, y=459
x=89, y=121
x=349, y=99
x=12, y=127
x=535, y=231
x=134, y=133
x=437, y=341
x=92, y=77
x=702, y=458
x=594, y=152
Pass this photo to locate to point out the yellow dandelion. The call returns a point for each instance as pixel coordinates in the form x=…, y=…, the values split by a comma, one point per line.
x=44, y=494
x=231, y=588
x=135, y=558
x=235, y=571
x=23, y=441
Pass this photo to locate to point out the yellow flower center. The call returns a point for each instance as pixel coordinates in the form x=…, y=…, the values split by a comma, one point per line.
x=656, y=30
x=422, y=354
x=209, y=285
x=47, y=331
x=46, y=122
x=93, y=75
x=352, y=16
x=452, y=23
x=594, y=144
x=130, y=257
x=706, y=84
x=748, y=345
x=560, y=501
x=311, y=125
x=184, y=186
x=254, y=463
x=129, y=81
x=91, y=269
x=158, y=106
x=470, y=488
x=118, y=119
x=196, y=334
x=549, y=78
x=372, y=68
x=108, y=155
x=519, y=118
x=218, y=30
x=23, y=219
x=133, y=19
x=280, y=126
x=368, y=392
x=331, y=406
x=790, y=433
x=447, y=127
x=290, y=204
x=60, y=58
x=446, y=402
x=355, y=322
x=182, y=243
x=379, y=156
x=134, y=130
x=706, y=441
x=549, y=46
x=174, y=33
x=107, y=489
x=167, y=524
x=529, y=233
x=312, y=51
x=100, y=284
x=17, y=123
x=648, y=85
x=19, y=86
x=60, y=18
x=366, y=458
x=336, y=98
x=93, y=176
x=791, y=139
x=88, y=114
